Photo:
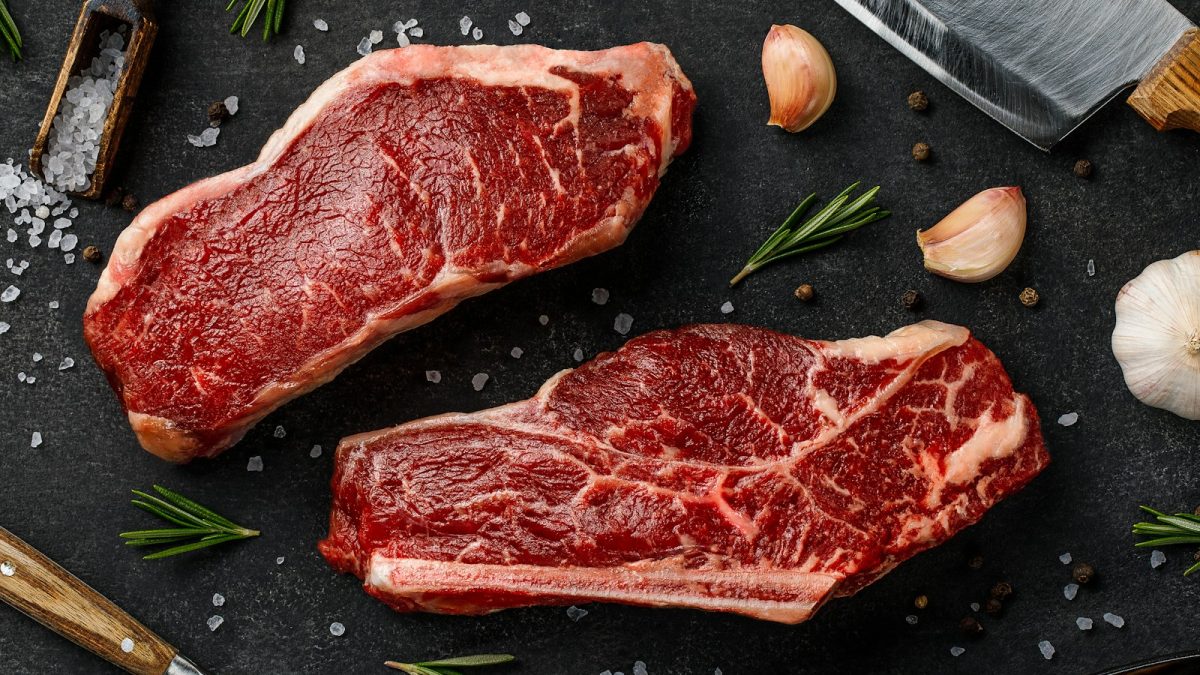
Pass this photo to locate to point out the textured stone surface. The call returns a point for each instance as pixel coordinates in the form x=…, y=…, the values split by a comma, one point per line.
x=739, y=180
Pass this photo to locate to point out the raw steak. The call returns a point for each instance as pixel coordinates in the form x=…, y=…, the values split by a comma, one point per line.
x=719, y=467
x=410, y=181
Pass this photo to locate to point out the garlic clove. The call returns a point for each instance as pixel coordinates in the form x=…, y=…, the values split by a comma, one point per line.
x=1157, y=335
x=801, y=81
x=979, y=239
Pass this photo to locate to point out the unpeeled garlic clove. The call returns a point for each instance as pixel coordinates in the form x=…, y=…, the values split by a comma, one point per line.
x=979, y=238
x=801, y=82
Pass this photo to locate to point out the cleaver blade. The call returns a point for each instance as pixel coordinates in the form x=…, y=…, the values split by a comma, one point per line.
x=1039, y=67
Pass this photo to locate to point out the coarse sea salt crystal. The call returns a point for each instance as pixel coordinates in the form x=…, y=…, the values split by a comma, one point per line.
x=1070, y=590
x=36, y=439
x=477, y=33
x=727, y=308
x=37, y=357
x=4, y=327
x=255, y=464
x=479, y=381
x=1065, y=558
x=974, y=606
x=1084, y=623
x=417, y=32
x=576, y=613
x=911, y=619
x=522, y=18
x=231, y=104
x=639, y=668
x=1046, y=649
x=364, y=46
x=30, y=380
x=336, y=629
x=298, y=54
x=578, y=355
x=53, y=304
x=9, y=294
x=321, y=25
x=1091, y=268
x=280, y=560
x=1114, y=620
x=69, y=242
x=543, y=319
x=218, y=600
x=315, y=452
x=208, y=137
x=69, y=258
x=1068, y=419
x=214, y=622
x=402, y=40
x=1157, y=558
x=21, y=376
x=54, y=239
x=623, y=323
x=280, y=432
x=127, y=645
x=600, y=295
x=957, y=651
x=11, y=236
x=376, y=37
x=516, y=352
x=515, y=28
x=433, y=376
x=464, y=25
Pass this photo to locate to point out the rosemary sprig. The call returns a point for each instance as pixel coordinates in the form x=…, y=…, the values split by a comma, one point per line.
x=451, y=666
x=829, y=225
x=1181, y=528
x=9, y=34
x=199, y=526
x=249, y=13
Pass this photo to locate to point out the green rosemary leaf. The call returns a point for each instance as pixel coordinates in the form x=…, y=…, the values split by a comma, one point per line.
x=199, y=526
x=194, y=507
x=188, y=548
x=840, y=215
x=1170, y=530
x=476, y=661
x=1191, y=569
x=1167, y=541
x=173, y=533
x=1181, y=523
x=8, y=30
x=249, y=13
x=411, y=668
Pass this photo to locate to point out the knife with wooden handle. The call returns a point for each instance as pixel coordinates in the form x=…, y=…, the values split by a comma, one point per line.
x=58, y=600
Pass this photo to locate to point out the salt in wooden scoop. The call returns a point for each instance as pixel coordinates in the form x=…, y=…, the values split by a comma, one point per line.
x=96, y=17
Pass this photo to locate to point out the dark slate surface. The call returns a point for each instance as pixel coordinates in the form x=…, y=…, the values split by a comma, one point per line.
x=741, y=178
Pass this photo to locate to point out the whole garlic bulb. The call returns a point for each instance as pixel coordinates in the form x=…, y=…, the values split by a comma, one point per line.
x=979, y=238
x=1157, y=336
x=801, y=82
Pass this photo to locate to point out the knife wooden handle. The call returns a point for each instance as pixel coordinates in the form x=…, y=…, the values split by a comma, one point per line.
x=54, y=597
x=1169, y=97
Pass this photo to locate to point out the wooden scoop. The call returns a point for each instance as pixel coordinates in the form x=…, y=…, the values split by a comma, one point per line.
x=95, y=17
x=58, y=600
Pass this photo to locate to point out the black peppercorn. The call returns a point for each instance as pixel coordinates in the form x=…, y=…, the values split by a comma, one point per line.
x=918, y=101
x=1083, y=573
x=1083, y=169
x=1001, y=590
x=970, y=626
x=92, y=254
x=975, y=562
x=911, y=300
x=1029, y=297
x=805, y=292
x=1197, y=511
x=921, y=601
x=129, y=202
x=114, y=197
x=993, y=607
x=921, y=152
x=217, y=113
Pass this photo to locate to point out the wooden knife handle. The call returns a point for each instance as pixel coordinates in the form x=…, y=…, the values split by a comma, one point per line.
x=1169, y=97
x=54, y=597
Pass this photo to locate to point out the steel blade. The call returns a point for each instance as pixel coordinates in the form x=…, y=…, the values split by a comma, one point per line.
x=1039, y=67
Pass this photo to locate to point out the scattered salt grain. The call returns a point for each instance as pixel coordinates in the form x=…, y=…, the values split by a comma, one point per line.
x=231, y=104
x=30, y=380
x=298, y=54
x=11, y=293
x=433, y=376
x=69, y=258
x=215, y=621
x=53, y=240
x=1065, y=558
x=1070, y=590
x=578, y=355
x=321, y=25
x=717, y=671
x=37, y=357
x=479, y=381
x=36, y=440
x=623, y=323
x=974, y=606
x=417, y=32
x=600, y=295
x=364, y=46
x=575, y=613
x=255, y=464
x=402, y=40
x=911, y=619
x=7, y=569
x=639, y=668
x=1068, y=419
x=1091, y=268
x=11, y=236
x=522, y=18
x=1084, y=623
x=315, y=452
x=67, y=363
x=280, y=432
x=21, y=377
x=53, y=304
x=464, y=25
x=957, y=651
x=1157, y=558
x=4, y=327
x=515, y=27
x=336, y=629
x=127, y=645
x=279, y=560
x=517, y=352
x=218, y=600
x=543, y=319
x=727, y=308
x=208, y=137
x=1046, y=649
x=376, y=37
x=1114, y=620
x=477, y=33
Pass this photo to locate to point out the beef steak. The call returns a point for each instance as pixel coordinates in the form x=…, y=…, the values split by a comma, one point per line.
x=410, y=181
x=718, y=467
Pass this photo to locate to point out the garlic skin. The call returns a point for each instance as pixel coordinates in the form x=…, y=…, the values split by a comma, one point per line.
x=801, y=81
x=1157, y=336
x=979, y=239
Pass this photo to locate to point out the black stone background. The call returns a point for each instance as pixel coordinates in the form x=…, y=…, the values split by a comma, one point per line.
x=739, y=180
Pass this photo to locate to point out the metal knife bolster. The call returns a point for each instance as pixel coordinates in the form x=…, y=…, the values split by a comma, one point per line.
x=182, y=665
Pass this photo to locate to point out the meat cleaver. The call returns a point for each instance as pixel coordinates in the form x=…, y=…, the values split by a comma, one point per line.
x=1042, y=67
